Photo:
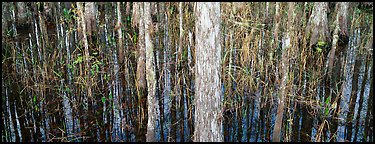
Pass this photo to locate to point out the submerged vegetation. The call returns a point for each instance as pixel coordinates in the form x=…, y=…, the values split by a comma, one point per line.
x=183, y=71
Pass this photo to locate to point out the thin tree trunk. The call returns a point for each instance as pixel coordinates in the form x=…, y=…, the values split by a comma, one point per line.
x=174, y=76
x=368, y=132
x=122, y=69
x=361, y=97
x=12, y=134
x=65, y=100
x=353, y=96
x=167, y=76
x=307, y=121
x=191, y=88
x=141, y=80
x=40, y=45
x=67, y=113
x=160, y=69
x=179, y=75
x=284, y=72
x=339, y=32
x=82, y=24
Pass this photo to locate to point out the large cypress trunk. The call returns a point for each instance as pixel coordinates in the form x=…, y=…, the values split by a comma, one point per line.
x=208, y=114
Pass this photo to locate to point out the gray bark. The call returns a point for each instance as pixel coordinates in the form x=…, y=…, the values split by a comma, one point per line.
x=150, y=77
x=284, y=74
x=11, y=125
x=67, y=113
x=167, y=75
x=208, y=115
x=317, y=27
x=90, y=11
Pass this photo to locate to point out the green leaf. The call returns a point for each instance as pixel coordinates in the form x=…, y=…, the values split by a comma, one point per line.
x=172, y=9
x=65, y=12
x=110, y=95
x=328, y=100
x=67, y=89
x=326, y=111
x=70, y=66
x=318, y=49
x=103, y=99
x=134, y=39
x=58, y=74
x=79, y=60
x=34, y=98
x=321, y=43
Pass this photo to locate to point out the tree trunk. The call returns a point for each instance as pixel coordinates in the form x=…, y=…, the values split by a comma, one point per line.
x=141, y=80
x=82, y=24
x=12, y=134
x=332, y=80
x=284, y=72
x=368, y=132
x=317, y=27
x=167, y=75
x=179, y=75
x=353, y=98
x=208, y=115
x=361, y=97
x=150, y=76
x=90, y=19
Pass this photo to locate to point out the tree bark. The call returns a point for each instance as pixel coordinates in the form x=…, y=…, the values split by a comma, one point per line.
x=208, y=115
x=141, y=80
x=284, y=72
x=90, y=19
x=353, y=97
x=368, y=132
x=150, y=77
x=317, y=27
x=361, y=97
x=82, y=24
x=332, y=80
